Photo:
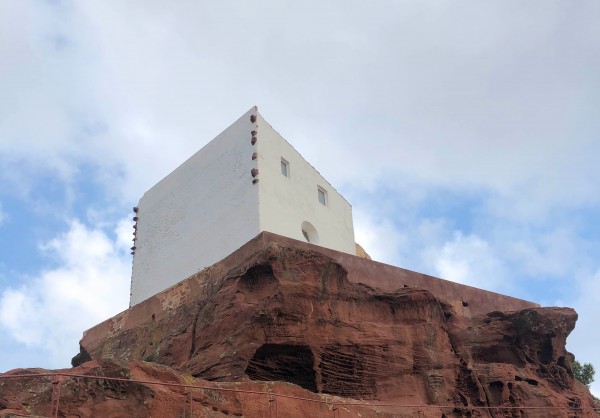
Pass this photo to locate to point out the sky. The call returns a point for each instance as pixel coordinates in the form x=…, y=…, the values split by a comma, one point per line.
x=465, y=134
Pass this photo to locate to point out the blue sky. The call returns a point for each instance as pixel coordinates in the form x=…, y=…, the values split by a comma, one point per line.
x=464, y=134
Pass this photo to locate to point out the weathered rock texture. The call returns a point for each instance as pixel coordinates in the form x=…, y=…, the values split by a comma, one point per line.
x=360, y=252
x=291, y=315
x=92, y=397
x=87, y=395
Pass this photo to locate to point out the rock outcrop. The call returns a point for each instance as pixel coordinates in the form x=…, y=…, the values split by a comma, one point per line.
x=291, y=315
x=360, y=252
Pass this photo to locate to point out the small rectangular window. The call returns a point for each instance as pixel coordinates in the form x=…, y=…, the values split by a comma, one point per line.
x=322, y=195
x=285, y=168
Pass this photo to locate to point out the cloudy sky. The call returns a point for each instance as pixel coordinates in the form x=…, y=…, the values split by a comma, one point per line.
x=466, y=135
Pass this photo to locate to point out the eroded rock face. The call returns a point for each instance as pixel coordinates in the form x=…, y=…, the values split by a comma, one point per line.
x=290, y=315
x=517, y=359
x=93, y=397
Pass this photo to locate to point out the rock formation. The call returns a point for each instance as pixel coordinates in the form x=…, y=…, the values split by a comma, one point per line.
x=290, y=315
x=360, y=252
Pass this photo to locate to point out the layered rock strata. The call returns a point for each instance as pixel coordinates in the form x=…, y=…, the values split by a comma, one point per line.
x=291, y=315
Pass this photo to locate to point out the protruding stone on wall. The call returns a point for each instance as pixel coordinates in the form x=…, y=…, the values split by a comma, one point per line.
x=135, y=219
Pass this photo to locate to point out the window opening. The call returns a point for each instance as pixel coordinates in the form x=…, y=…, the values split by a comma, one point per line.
x=305, y=235
x=285, y=168
x=309, y=232
x=322, y=195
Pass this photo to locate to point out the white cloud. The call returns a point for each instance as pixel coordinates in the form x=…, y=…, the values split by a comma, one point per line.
x=546, y=254
x=468, y=260
x=398, y=236
x=380, y=238
x=405, y=92
x=89, y=284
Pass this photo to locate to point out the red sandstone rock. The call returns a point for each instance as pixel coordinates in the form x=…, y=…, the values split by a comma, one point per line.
x=360, y=252
x=291, y=315
x=93, y=397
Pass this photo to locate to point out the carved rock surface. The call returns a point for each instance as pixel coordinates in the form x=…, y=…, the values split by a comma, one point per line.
x=86, y=397
x=290, y=315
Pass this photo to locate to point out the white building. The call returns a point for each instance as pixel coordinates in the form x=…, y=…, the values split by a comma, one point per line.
x=245, y=181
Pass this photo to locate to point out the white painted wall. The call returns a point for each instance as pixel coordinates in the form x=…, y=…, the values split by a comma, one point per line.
x=208, y=207
x=200, y=213
x=286, y=202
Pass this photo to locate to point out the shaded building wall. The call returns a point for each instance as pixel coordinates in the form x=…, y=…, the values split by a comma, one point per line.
x=202, y=211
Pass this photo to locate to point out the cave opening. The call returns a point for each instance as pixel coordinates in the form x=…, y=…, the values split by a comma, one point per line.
x=496, y=388
x=284, y=362
x=547, y=352
x=258, y=277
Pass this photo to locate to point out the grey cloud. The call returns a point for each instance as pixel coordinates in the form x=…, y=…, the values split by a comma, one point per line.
x=498, y=95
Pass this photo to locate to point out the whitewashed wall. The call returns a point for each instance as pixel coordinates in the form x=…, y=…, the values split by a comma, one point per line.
x=200, y=213
x=287, y=202
x=209, y=206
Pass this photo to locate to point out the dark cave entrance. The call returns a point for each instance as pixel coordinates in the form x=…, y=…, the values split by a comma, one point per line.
x=283, y=362
x=257, y=278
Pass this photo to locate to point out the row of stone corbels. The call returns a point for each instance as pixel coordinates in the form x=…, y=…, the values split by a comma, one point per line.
x=135, y=219
x=253, y=140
